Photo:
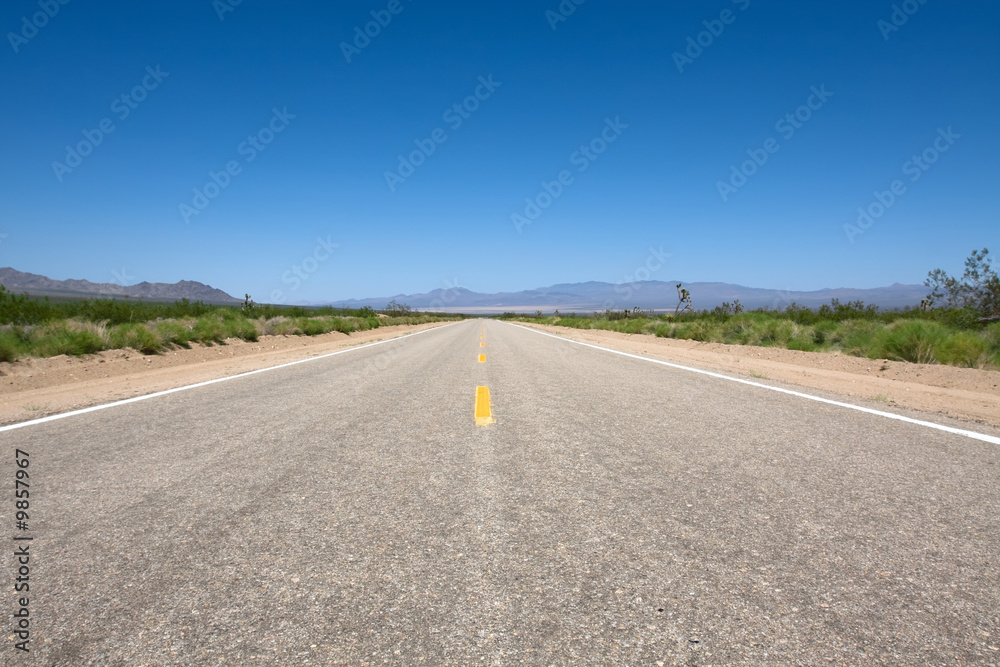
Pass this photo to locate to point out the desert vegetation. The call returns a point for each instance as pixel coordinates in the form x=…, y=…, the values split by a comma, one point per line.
x=43, y=327
x=957, y=324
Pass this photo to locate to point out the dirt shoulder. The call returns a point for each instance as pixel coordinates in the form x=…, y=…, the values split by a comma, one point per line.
x=964, y=393
x=35, y=388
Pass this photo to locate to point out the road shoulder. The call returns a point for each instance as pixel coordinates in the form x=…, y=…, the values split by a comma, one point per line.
x=968, y=394
x=35, y=388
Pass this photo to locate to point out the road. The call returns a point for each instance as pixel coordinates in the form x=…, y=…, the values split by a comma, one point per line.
x=350, y=511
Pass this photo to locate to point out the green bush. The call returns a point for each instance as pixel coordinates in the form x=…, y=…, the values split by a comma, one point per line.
x=803, y=343
x=991, y=334
x=964, y=348
x=208, y=329
x=909, y=340
x=701, y=330
x=312, y=327
x=136, y=336
x=346, y=327
x=824, y=332
x=665, y=330
x=55, y=339
x=10, y=346
x=778, y=332
x=242, y=328
x=173, y=332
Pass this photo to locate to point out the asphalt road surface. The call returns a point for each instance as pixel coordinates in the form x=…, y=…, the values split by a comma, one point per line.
x=350, y=511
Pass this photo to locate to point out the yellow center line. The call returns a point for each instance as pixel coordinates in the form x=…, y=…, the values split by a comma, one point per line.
x=482, y=358
x=482, y=345
x=484, y=414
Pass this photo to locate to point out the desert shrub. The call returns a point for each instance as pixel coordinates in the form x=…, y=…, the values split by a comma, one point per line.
x=824, y=332
x=964, y=348
x=346, y=326
x=281, y=326
x=778, y=332
x=136, y=336
x=311, y=327
x=913, y=340
x=991, y=334
x=664, y=330
x=856, y=337
x=243, y=329
x=61, y=338
x=208, y=329
x=10, y=346
x=173, y=332
x=702, y=330
x=804, y=343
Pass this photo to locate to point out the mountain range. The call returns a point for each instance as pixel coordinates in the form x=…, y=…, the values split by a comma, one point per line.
x=37, y=285
x=565, y=297
x=647, y=295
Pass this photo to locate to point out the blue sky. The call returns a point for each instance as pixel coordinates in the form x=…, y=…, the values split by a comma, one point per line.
x=643, y=109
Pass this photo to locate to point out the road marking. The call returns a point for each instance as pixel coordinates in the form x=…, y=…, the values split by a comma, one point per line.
x=482, y=345
x=940, y=427
x=136, y=399
x=482, y=358
x=484, y=415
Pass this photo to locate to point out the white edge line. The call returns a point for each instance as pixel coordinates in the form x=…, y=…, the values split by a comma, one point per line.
x=941, y=427
x=144, y=397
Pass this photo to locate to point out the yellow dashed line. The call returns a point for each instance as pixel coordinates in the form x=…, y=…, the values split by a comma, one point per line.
x=484, y=414
x=482, y=358
x=482, y=345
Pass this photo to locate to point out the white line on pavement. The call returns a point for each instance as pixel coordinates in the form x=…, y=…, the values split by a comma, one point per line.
x=941, y=427
x=42, y=420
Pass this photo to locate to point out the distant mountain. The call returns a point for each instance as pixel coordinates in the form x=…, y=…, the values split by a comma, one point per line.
x=36, y=285
x=649, y=294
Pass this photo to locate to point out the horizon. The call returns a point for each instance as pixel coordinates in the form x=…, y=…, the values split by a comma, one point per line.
x=463, y=287
x=282, y=152
x=619, y=300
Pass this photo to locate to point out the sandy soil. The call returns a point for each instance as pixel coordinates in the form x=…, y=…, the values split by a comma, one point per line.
x=35, y=388
x=965, y=393
x=39, y=387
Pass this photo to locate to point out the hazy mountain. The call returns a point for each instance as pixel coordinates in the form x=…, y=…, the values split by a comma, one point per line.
x=652, y=294
x=36, y=285
x=566, y=297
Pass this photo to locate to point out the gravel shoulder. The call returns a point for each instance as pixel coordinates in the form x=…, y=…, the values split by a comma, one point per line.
x=34, y=388
x=964, y=393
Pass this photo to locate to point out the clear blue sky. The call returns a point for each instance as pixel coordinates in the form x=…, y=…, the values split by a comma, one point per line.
x=556, y=85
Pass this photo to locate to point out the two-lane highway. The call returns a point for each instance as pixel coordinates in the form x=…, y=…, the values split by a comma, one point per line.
x=354, y=510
